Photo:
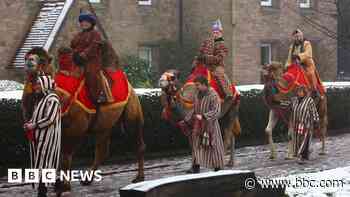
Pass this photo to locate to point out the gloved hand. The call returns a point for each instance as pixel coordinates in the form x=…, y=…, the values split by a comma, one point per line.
x=79, y=60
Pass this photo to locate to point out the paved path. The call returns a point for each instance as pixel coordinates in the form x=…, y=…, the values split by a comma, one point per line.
x=253, y=158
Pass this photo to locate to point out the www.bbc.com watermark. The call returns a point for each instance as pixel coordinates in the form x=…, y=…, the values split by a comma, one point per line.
x=296, y=183
x=51, y=175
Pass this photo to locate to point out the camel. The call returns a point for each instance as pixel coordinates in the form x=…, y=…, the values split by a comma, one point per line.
x=78, y=123
x=273, y=75
x=229, y=120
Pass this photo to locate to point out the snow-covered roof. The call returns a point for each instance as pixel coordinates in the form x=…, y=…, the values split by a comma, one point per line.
x=44, y=29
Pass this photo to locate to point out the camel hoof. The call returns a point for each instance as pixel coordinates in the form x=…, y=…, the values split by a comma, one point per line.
x=322, y=153
x=86, y=182
x=138, y=179
x=59, y=188
x=289, y=158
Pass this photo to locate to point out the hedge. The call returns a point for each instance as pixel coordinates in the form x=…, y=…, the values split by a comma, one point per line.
x=158, y=135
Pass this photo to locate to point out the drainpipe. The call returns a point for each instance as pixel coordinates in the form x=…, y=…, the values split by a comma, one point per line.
x=180, y=22
x=234, y=14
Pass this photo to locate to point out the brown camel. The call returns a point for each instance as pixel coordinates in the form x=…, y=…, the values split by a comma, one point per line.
x=273, y=75
x=78, y=123
x=229, y=120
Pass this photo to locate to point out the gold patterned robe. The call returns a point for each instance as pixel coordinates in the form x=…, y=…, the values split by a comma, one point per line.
x=306, y=57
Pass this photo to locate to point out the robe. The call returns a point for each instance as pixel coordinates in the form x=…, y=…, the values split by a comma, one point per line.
x=306, y=57
x=212, y=55
x=88, y=45
x=304, y=117
x=209, y=155
x=46, y=147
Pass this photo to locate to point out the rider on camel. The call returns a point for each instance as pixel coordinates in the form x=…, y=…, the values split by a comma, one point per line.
x=212, y=54
x=86, y=47
x=302, y=49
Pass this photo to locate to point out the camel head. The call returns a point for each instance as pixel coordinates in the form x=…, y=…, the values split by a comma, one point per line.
x=169, y=81
x=175, y=101
x=273, y=71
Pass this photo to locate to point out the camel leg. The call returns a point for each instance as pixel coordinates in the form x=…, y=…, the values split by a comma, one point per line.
x=323, y=140
x=103, y=141
x=135, y=121
x=66, y=165
x=69, y=145
x=270, y=126
x=323, y=110
x=290, y=147
x=231, y=162
x=230, y=137
x=140, y=156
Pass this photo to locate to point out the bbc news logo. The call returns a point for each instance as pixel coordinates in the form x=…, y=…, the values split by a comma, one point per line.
x=51, y=175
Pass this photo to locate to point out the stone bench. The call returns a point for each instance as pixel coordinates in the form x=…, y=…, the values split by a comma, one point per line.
x=225, y=183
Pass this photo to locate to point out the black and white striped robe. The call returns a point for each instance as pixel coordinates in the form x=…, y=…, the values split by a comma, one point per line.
x=304, y=116
x=46, y=147
x=210, y=108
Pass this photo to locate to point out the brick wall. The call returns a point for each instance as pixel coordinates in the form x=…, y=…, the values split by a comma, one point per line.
x=127, y=24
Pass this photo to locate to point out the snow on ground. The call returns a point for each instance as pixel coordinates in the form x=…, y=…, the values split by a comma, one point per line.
x=13, y=90
x=335, y=182
x=149, y=185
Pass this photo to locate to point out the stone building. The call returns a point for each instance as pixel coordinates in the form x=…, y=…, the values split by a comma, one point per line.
x=344, y=39
x=256, y=31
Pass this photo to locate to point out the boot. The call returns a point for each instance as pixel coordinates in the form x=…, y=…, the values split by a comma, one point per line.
x=194, y=170
x=217, y=169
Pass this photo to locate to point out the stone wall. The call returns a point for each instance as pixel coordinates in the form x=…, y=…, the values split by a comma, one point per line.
x=256, y=25
x=246, y=24
x=198, y=18
x=16, y=19
x=344, y=38
x=127, y=24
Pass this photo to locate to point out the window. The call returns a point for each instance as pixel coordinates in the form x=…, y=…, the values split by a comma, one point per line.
x=265, y=54
x=266, y=2
x=95, y=1
x=145, y=53
x=145, y=2
x=305, y=3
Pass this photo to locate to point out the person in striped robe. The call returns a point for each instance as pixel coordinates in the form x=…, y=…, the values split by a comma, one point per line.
x=45, y=147
x=207, y=143
x=304, y=120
